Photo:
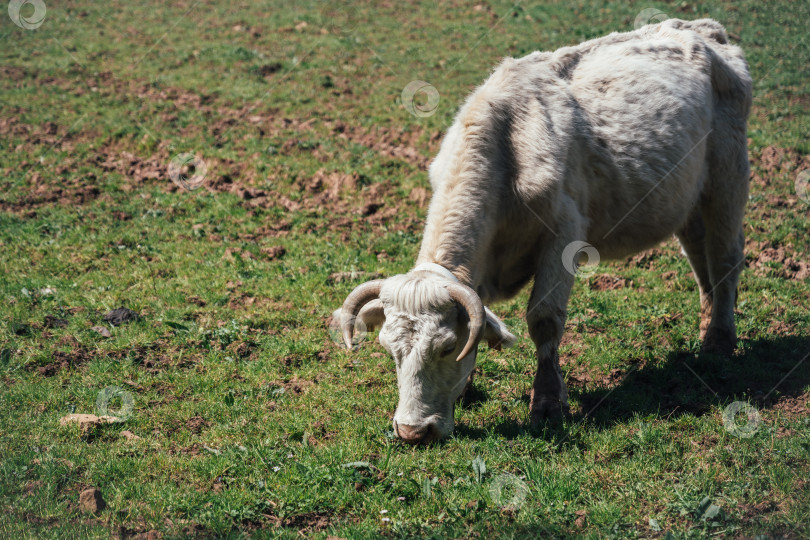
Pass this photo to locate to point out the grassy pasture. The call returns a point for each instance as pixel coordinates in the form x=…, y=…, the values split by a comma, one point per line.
x=250, y=420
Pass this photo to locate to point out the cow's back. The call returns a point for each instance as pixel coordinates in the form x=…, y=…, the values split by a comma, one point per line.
x=654, y=104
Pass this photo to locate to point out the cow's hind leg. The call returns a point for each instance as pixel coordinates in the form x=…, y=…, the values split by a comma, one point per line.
x=722, y=207
x=724, y=255
x=692, y=238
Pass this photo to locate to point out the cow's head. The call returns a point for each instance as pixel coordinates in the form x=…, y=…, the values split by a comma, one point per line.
x=431, y=325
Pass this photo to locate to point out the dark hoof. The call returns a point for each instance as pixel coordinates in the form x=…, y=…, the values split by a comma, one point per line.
x=548, y=411
x=719, y=342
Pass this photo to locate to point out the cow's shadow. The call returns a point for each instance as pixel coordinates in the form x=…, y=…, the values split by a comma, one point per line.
x=761, y=373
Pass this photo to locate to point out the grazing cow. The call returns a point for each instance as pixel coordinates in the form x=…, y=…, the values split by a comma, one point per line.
x=618, y=143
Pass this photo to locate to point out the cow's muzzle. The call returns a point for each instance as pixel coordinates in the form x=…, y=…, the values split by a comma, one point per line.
x=417, y=435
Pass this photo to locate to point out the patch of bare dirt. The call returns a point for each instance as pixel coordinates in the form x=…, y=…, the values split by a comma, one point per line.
x=242, y=349
x=305, y=524
x=647, y=259
x=136, y=534
x=783, y=432
x=32, y=518
x=320, y=434
x=196, y=424
x=66, y=191
x=345, y=277
x=583, y=377
x=140, y=529
x=64, y=360
x=397, y=143
x=246, y=300
x=666, y=321
x=324, y=189
x=420, y=196
x=793, y=408
x=773, y=162
x=571, y=338
x=274, y=252
x=309, y=522
x=606, y=282
x=756, y=512
x=51, y=321
x=157, y=356
x=134, y=167
x=780, y=328
x=767, y=259
x=294, y=385
x=32, y=487
x=330, y=193
x=10, y=126
x=121, y=315
x=13, y=73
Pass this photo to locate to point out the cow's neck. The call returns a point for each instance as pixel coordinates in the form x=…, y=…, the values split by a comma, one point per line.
x=454, y=238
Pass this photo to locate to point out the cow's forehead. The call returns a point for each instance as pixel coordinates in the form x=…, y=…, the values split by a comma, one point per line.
x=406, y=332
x=420, y=323
x=416, y=294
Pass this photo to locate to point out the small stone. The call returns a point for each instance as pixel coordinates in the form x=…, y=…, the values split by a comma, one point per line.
x=91, y=500
x=102, y=330
x=130, y=436
x=86, y=421
x=121, y=315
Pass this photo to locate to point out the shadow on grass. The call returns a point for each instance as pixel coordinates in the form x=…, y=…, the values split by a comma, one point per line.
x=764, y=371
x=761, y=373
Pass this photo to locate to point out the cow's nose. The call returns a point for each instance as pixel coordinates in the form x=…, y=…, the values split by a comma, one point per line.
x=416, y=435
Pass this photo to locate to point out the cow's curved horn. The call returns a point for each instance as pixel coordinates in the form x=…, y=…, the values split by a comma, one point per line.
x=358, y=298
x=471, y=302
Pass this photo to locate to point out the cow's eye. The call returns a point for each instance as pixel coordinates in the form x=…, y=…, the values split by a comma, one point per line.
x=449, y=348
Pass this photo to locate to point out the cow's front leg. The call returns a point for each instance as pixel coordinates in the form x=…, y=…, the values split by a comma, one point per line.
x=546, y=319
x=549, y=398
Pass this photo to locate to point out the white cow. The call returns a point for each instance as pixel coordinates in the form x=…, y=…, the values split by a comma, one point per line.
x=619, y=142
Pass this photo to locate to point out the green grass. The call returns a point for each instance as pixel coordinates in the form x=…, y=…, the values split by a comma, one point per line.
x=252, y=421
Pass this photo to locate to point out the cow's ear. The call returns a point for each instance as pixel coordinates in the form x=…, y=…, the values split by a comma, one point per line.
x=372, y=315
x=495, y=332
